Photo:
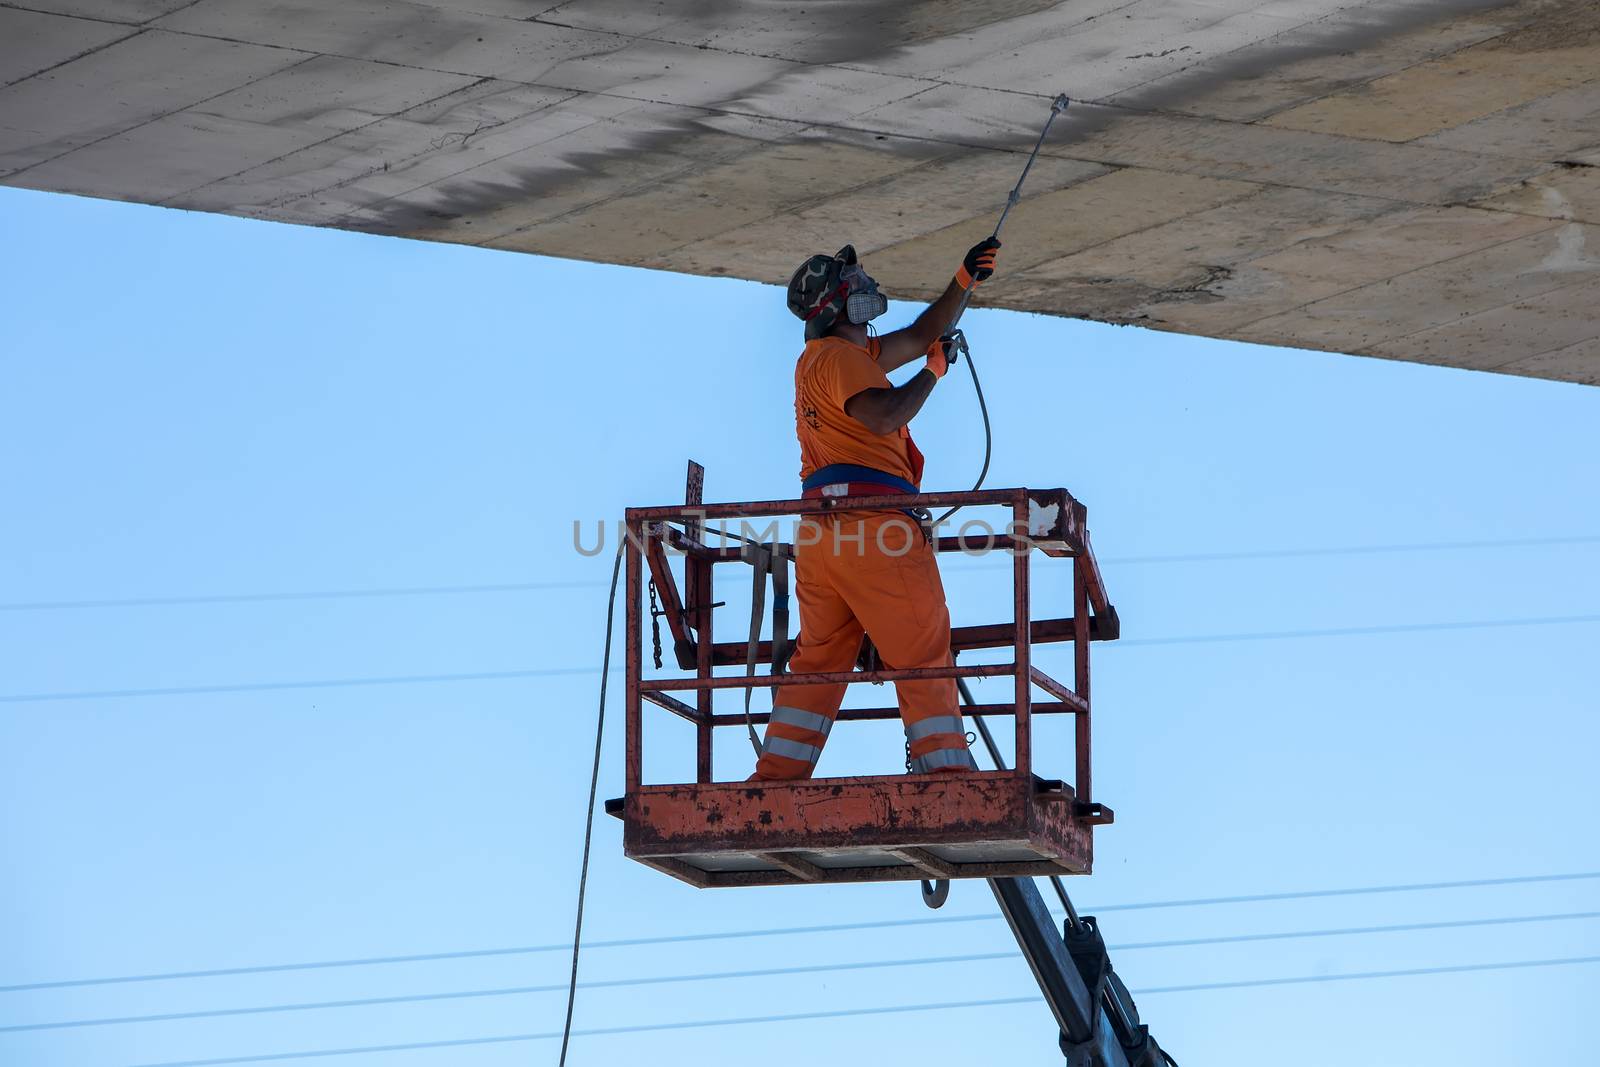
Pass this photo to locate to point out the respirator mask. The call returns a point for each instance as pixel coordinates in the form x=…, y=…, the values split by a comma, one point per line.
x=864, y=301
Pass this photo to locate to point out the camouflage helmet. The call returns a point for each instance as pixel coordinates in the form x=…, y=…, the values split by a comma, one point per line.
x=817, y=293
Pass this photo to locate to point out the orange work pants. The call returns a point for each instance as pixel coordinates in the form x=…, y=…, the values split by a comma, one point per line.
x=871, y=572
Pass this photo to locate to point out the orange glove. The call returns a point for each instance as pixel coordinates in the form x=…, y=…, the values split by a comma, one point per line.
x=942, y=355
x=979, y=263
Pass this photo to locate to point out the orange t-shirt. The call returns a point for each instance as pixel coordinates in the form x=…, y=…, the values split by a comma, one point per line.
x=831, y=370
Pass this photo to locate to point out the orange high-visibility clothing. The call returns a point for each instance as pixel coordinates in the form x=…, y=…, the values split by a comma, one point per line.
x=831, y=371
x=861, y=572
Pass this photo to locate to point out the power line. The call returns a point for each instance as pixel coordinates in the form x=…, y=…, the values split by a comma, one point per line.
x=1356, y=550
x=771, y=972
x=470, y=994
x=548, y=672
x=597, y=1032
x=1358, y=631
x=631, y=942
x=1409, y=972
x=1398, y=928
x=316, y=683
x=524, y=587
x=316, y=594
x=839, y=1013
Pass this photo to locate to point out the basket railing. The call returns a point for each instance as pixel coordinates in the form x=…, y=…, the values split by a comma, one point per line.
x=1049, y=522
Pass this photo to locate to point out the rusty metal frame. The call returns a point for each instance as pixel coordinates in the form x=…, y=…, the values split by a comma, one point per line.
x=1049, y=521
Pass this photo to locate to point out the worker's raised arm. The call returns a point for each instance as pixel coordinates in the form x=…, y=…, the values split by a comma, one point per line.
x=887, y=410
x=902, y=346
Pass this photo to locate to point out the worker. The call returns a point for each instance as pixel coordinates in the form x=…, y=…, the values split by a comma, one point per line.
x=869, y=572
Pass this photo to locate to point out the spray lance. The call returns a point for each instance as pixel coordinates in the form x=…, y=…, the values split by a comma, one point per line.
x=1057, y=106
x=934, y=893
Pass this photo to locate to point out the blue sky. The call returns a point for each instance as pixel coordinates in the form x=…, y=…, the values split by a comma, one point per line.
x=195, y=406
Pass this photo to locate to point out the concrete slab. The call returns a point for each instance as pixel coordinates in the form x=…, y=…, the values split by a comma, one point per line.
x=128, y=83
x=273, y=117
x=1556, y=320
x=1439, y=294
x=752, y=186
x=1255, y=298
x=1198, y=269
x=1347, y=47
x=398, y=32
x=880, y=213
x=1304, y=160
x=31, y=42
x=1561, y=126
x=1399, y=242
x=1402, y=178
x=1041, y=227
x=855, y=34
x=617, y=157
x=128, y=12
x=1578, y=363
x=1568, y=193
x=1192, y=248
x=1441, y=95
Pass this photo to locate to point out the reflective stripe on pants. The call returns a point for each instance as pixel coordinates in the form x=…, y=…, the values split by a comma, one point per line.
x=795, y=736
x=944, y=759
x=934, y=724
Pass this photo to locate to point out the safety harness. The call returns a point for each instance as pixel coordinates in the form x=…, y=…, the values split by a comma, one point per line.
x=849, y=479
x=766, y=560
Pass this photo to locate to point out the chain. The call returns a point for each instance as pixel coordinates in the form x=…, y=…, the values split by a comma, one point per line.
x=655, y=625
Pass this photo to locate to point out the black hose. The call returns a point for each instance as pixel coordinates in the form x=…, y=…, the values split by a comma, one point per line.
x=988, y=437
x=1000, y=764
x=588, y=824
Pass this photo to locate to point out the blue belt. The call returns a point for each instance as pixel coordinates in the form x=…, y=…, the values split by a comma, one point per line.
x=835, y=473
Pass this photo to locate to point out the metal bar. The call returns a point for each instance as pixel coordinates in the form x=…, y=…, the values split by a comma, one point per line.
x=734, y=718
x=899, y=872
x=697, y=576
x=1080, y=661
x=796, y=865
x=972, y=546
x=669, y=685
x=926, y=862
x=979, y=546
x=1035, y=930
x=962, y=639
x=694, y=494
x=821, y=505
x=634, y=759
x=1020, y=607
x=1097, y=583
x=1059, y=691
x=704, y=643
x=676, y=539
x=666, y=589
x=680, y=540
x=674, y=705
x=680, y=870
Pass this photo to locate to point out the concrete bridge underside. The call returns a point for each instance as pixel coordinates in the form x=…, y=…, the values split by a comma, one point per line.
x=1407, y=179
